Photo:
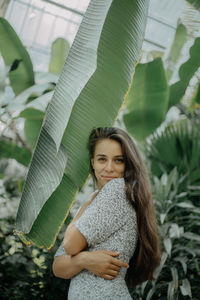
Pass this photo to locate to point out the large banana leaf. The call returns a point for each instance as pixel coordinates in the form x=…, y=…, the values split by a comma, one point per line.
x=186, y=72
x=175, y=51
x=148, y=99
x=89, y=93
x=59, y=51
x=13, y=50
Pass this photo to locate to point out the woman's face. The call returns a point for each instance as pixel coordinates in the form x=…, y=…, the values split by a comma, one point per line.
x=108, y=161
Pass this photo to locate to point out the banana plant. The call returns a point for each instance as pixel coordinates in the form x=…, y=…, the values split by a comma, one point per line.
x=151, y=95
x=90, y=92
x=59, y=51
x=15, y=56
x=180, y=39
x=147, y=101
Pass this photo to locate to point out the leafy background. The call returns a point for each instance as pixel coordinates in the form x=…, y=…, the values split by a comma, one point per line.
x=170, y=147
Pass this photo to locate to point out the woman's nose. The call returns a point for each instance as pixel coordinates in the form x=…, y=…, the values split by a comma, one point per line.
x=109, y=165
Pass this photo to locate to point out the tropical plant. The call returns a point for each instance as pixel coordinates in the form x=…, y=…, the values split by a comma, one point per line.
x=147, y=102
x=152, y=93
x=173, y=156
x=21, y=73
x=29, y=100
x=25, y=272
x=89, y=93
x=179, y=270
x=177, y=146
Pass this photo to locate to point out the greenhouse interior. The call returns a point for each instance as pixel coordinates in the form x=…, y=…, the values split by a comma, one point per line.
x=68, y=68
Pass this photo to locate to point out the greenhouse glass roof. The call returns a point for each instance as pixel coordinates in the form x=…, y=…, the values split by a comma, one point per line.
x=40, y=22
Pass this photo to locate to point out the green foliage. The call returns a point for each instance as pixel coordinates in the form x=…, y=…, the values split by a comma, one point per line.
x=16, y=57
x=10, y=149
x=26, y=272
x=195, y=3
x=186, y=72
x=59, y=51
x=177, y=276
x=147, y=101
x=177, y=146
x=177, y=45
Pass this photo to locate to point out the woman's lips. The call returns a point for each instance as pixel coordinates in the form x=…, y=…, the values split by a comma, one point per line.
x=108, y=177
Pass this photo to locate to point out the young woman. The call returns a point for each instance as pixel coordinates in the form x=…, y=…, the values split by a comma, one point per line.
x=113, y=240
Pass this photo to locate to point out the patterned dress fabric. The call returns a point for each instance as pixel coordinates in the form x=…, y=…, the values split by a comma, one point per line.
x=109, y=222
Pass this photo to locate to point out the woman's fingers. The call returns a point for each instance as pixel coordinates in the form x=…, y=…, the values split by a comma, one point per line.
x=113, y=273
x=114, y=267
x=119, y=263
x=108, y=277
x=112, y=253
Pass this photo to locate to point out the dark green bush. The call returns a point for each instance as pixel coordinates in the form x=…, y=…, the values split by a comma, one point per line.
x=26, y=272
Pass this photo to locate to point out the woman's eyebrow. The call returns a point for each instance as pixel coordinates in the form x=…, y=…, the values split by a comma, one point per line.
x=121, y=156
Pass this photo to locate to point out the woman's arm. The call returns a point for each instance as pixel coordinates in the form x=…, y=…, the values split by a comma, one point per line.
x=66, y=266
x=101, y=263
x=74, y=241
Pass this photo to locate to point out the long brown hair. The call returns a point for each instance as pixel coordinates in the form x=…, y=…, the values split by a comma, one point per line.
x=146, y=256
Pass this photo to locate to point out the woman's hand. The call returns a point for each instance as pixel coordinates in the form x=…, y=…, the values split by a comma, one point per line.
x=103, y=263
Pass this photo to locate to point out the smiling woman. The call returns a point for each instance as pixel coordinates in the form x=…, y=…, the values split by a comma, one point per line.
x=108, y=161
x=116, y=229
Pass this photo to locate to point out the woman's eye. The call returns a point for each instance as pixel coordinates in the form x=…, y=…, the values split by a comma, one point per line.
x=119, y=160
x=101, y=159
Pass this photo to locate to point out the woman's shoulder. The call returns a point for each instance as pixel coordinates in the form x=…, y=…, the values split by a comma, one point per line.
x=115, y=186
x=115, y=183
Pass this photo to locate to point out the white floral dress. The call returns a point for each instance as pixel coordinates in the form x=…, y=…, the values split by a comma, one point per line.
x=109, y=222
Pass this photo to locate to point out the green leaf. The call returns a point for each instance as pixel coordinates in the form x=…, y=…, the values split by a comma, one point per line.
x=160, y=267
x=148, y=99
x=182, y=261
x=186, y=288
x=33, y=112
x=168, y=245
x=175, y=231
x=12, y=50
x=59, y=51
x=174, y=272
x=19, y=102
x=175, y=51
x=195, y=3
x=150, y=293
x=183, y=140
x=185, y=205
x=186, y=72
x=89, y=93
x=9, y=149
x=191, y=236
x=170, y=291
x=32, y=129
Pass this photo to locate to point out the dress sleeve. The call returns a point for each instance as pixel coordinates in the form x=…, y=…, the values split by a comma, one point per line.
x=106, y=214
x=60, y=250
